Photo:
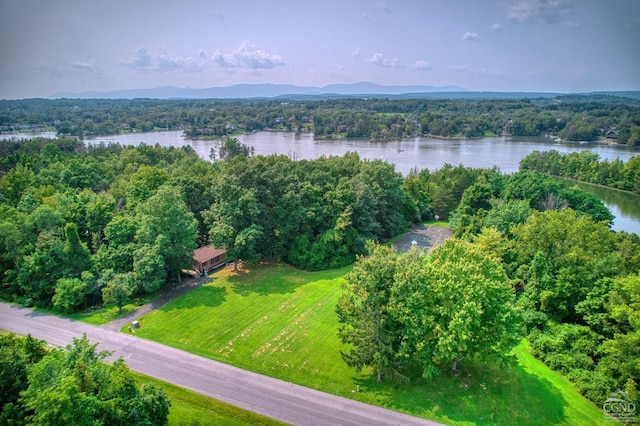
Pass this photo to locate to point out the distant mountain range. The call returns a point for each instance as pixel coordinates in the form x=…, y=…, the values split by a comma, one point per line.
x=258, y=91
x=288, y=91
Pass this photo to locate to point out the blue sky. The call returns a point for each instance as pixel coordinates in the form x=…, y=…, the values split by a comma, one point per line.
x=57, y=46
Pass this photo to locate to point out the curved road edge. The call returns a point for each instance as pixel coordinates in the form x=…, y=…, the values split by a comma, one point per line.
x=265, y=395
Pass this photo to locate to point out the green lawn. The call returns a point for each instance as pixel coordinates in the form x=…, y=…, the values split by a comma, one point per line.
x=281, y=322
x=276, y=321
x=102, y=315
x=578, y=410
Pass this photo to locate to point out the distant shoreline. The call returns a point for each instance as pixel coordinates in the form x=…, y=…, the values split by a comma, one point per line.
x=35, y=134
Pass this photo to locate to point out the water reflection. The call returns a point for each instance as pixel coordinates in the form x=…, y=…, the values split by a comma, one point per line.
x=624, y=205
x=420, y=152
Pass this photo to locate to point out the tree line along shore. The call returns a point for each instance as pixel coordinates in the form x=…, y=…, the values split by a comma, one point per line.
x=615, y=119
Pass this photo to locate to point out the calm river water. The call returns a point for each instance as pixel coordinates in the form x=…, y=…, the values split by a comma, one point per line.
x=420, y=152
x=406, y=154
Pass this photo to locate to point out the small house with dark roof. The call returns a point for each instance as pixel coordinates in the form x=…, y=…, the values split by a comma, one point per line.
x=208, y=258
x=612, y=133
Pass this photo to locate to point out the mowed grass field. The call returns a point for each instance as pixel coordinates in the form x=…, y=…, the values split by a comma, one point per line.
x=279, y=321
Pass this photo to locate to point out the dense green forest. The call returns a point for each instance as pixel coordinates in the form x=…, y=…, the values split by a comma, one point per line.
x=577, y=283
x=82, y=225
x=569, y=117
x=574, y=283
x=587, y=166
x=42, y=386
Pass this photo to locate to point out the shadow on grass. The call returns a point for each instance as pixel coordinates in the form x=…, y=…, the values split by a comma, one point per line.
x=480, y=394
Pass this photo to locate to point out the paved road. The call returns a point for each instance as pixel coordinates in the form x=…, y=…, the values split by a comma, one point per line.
x=264, y=395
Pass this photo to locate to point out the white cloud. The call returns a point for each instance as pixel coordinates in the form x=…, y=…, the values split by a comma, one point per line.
x=67, y=69
x=167, y=62
x=458, y=67
x=247, y=56
x=356, y=53
x=161, y=62
x=547, y=11
x=422, y=65
x=470, y=36
x=379, y=60
x=496, y=27
x=382, y=7
x=140, y=59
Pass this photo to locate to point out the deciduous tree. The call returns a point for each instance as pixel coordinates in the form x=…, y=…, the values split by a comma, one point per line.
x=70, y=293
x=167, y=224
x=144, y=183
x=75, y=386
x=562, y=255
x=231, y=147
x=455, y=303
x=233, y=221
x=76, y=254
x=117, y=290
x=149, y=269
x=622, y=353
x=17, y=355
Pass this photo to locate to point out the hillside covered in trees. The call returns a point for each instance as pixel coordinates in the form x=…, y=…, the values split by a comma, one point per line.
x=571, y=117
